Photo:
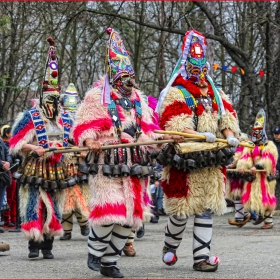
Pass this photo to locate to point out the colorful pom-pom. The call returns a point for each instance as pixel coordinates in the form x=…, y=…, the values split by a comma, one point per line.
x=169, y=258
x=214, y=259
x=54, y=82
x=51, y=41
x=109, y=30
x=54, y=74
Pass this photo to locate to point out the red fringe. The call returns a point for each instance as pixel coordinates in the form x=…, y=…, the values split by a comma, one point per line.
x=228, y=107
x=19, y=136
x=137, y=189
x=108, y=209
x=174, y=109
x=177, y=186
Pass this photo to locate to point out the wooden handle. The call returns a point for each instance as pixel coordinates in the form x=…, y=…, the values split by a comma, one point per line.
x=189, y=135
x=246, y=170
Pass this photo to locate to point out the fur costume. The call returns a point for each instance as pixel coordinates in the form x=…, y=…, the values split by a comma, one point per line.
x=33, y=200
x=114, y=200
x=201, y=189
x=259, y=194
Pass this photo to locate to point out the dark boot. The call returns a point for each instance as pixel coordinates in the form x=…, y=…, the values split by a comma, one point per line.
x=33, y=253
x=140, y=232
x=93, y=262
x=34, y=248
x=66, y=236
x=47, y=254
x=84, y=230
x=111, y=271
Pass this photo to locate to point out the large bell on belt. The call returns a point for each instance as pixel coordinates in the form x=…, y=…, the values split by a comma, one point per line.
x=93, y=169
x=200, y=161
x=54, y=186
x=22, y=179
x=71, y=182
x=39, y=181
x=62, y=184
x=145, y=172
x=107, y=171
x=136, y=170
x=189, y=164
x=161, y=159
x=117, y=171
x=45, y=185
x=220, y=158
x=176, y=161
x=83, y=178
x=125, y=170
x=17, y=175
x=30, y=180
x=83, y=168
x=151, y=171
x=211, y=158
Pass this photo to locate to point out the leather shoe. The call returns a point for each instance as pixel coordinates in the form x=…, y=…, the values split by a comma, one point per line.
x=93, y=262
x=66, y=236
x=33, y=253
x=47, y=254
x=259, y=220
x=129, y=250
x=140, y=232
x=85, y=230
x=111, y=271
x=240, y=224
x=205, y=266
x=267, y=226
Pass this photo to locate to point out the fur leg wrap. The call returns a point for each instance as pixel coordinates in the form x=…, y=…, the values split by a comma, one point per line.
x=202, y=235
x=67, y=222
x=240, y=213
x=115, y=246
x=174, y=231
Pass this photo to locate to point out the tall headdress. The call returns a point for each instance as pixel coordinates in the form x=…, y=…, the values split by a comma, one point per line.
x=117, y=63
x=70, y=99
x=192, y=64
x=50, y=84
x=259, y=133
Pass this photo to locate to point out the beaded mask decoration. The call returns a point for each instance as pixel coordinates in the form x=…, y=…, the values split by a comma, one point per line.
x=49, y=97
x=194, y=63
x=258, y=133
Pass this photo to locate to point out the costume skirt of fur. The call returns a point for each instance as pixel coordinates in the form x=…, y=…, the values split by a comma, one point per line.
x=188, y=193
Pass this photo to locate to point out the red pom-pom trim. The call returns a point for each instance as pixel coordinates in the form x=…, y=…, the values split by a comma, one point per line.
x=51, y=41
x=199, y=109
x=215, y=107
x=54, y=74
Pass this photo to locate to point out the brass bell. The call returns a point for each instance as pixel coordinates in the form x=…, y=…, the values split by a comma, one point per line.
x=145, y=172
x=116, y=171
x=125, y=170
x=136, y=170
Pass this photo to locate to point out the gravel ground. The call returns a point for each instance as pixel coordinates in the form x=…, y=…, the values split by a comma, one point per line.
x=248, y=252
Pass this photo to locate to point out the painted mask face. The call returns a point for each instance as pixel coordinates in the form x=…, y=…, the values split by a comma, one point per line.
x=50, y=106
x=257, y=135
x=124, y=84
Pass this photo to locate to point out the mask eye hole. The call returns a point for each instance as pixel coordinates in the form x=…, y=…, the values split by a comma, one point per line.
x=196, y=71
x=205, y=70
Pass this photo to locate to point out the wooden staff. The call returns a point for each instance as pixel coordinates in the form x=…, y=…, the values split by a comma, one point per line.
x=59, y=150
x=189, y=135
x=246, y=170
